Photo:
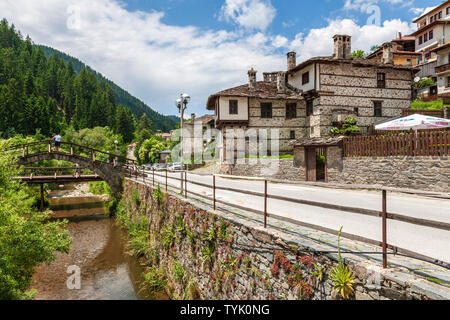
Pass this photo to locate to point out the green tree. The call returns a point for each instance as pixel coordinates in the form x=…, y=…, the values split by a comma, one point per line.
x=149, y=151
x=27, y=237
x=125, y=123
x=359, y=54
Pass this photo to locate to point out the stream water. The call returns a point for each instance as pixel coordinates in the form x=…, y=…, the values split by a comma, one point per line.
x=107, y=271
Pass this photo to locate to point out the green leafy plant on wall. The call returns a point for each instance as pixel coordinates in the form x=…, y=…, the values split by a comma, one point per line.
x=341, y=276
x=178, y=271
x=348, y=128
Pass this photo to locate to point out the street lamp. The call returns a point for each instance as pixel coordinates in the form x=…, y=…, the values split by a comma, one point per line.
x=181, y=103
x=117, y=153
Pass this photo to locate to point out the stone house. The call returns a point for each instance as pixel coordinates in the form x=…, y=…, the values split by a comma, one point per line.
x=196, y=131
x=443, y=72
x=311, y=98
x=404, y=53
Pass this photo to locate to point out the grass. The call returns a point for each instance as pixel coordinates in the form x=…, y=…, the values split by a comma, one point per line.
x=433, y=105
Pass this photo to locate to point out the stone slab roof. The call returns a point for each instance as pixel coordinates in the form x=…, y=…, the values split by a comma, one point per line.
x=203, y=119
x=323, y=141
x=357, y=62
x=264, y=90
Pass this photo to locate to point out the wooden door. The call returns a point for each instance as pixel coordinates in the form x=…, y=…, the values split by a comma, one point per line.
x=311, y=164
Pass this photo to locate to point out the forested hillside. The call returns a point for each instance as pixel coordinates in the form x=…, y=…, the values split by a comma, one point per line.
x=47, y=93
x=161, y=122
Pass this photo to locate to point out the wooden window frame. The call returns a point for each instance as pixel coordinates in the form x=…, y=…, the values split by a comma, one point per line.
x=292, y=135
x=305, y=78
x=420, y=40
x=425, y=37
x=233, y=107
x=291, y=110
x=266, y=110
x=309, y=108
x=377, y=108
x=430, y=35
x=381, y=80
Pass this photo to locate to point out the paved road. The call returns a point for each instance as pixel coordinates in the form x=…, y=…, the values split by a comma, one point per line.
x=428, y=241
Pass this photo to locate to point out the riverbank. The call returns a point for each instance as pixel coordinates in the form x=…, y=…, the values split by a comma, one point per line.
x=99, y=249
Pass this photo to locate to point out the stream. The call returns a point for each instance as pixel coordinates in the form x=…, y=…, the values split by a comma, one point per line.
x=107, y=271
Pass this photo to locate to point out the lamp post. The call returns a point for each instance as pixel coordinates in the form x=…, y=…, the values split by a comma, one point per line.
x=181, y=104
x=116, y=143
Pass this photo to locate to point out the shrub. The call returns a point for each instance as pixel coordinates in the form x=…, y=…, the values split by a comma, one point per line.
x=341, y=276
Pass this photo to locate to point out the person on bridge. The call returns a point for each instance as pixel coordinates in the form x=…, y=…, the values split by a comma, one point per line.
x=57, y=142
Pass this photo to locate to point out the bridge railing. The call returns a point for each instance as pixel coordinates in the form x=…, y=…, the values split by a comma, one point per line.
x=24, y=150
x=51, y=171
x=150, y=178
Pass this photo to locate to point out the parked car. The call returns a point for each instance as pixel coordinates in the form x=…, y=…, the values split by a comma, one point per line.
x=159, y=166
x=146, y=166
x=175, y=166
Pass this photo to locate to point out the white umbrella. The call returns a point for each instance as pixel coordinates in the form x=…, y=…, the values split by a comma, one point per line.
x=414, y=122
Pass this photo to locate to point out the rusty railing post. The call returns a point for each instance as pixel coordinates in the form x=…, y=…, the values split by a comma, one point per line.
x=384, y=228
x=214, y=191
x=42, y=197
x=185, y=184
x=265, y=204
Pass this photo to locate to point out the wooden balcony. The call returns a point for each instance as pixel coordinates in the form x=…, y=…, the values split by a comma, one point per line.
x=443, y=68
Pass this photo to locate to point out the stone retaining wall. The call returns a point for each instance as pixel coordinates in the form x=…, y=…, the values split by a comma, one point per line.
x=213, y=256
x=282, y=169
x=424, y=173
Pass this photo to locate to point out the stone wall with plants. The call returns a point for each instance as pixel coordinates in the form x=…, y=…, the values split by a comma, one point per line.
x=424, y=173
x=192, y=253
x=280, y=169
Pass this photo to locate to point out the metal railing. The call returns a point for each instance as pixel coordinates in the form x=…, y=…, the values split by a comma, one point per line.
x=142, y=175
x=69, y=148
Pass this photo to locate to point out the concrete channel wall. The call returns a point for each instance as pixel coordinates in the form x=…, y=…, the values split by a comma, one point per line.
x=224, y=256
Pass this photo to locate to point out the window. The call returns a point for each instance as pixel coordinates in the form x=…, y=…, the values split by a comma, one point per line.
x=448, y=59
x=448, y=82
x=431, y=19
x=292, y=135
x=381, y=80
x=448, y=10
x=291, y=110
x=356, y=110
x=309, y=108
x=266, y=110
x=430, y=36
x=233, y=107
x=305, y=78
x=377, y=107
x=440, y=14
x=425, y=37
x=420, y=40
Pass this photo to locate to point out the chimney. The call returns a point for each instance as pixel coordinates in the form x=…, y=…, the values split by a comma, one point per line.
x=342, y=47
x=281, y=82
x=252, y=79
x=388, y=53
x=399, y=35
x=192, y=117
x=291, y=60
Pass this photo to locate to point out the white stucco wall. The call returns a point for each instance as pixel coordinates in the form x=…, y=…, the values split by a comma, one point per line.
x=296, y=79
x=224, y=108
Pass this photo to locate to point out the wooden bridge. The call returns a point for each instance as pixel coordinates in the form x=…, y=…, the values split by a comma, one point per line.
x=102, y=166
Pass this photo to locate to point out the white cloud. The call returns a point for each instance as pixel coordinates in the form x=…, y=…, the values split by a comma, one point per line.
x=363, y=5
x=318, y=42
x=249, y=14
x=421, y=11
x=156, y=61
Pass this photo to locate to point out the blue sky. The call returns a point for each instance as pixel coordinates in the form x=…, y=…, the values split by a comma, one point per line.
x=156, y=49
